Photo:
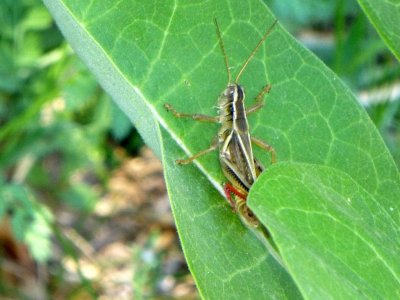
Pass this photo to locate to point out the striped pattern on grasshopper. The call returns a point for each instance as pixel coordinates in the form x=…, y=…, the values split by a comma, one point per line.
x=234, y=141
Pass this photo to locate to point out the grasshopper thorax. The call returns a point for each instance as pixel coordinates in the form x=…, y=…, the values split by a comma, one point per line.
x=231, y=103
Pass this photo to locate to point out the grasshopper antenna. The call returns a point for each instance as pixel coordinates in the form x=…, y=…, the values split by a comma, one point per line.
x=255, y=50
x=221, y=44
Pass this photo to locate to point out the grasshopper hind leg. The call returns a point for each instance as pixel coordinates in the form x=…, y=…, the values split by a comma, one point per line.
x=259, y=100
x=243, y=210
x=213, y=146
x=229, y=189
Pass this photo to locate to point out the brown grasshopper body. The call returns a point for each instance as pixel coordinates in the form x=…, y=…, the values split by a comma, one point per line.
x=238, y=164
x=234, y=141
x=236, y=154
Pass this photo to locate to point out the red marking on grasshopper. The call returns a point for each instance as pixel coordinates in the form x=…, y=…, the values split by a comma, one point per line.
x=229, y=189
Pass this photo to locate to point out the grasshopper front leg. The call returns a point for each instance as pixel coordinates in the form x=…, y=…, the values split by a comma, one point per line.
x=259, y=100
x=196, y=117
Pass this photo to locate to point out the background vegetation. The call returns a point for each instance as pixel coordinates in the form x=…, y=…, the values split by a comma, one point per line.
x=61, y=137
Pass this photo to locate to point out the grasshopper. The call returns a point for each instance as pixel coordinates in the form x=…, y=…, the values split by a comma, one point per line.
x=238, y=164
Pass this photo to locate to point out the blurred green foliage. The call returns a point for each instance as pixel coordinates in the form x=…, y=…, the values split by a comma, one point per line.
x=148, y=268
x=57, y=127
x=30, y=220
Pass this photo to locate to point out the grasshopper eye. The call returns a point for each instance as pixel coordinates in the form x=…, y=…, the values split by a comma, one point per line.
x=229, y=92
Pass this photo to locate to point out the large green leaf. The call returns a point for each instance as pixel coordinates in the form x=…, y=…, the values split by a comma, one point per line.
x=339, y=238
x=148, y=53
x=385, y=16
